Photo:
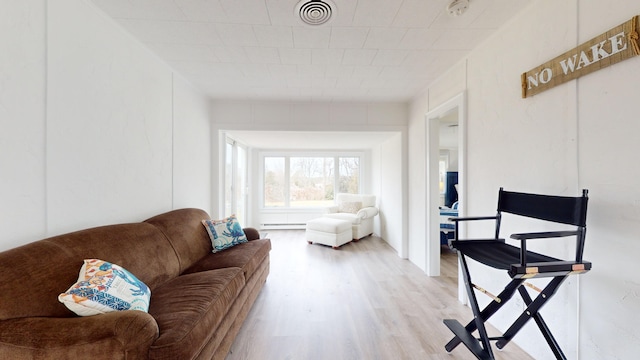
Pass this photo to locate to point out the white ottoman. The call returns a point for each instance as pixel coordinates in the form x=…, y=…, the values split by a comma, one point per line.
x=328, y=231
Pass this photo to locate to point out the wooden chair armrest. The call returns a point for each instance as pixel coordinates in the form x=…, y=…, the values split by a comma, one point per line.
x=543, y=235
x=523, y=237
x=456, y=221
x=548, y=269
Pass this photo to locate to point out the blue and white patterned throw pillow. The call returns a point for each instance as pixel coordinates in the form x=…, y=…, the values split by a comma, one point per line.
x=104, y=287
x=224, y=233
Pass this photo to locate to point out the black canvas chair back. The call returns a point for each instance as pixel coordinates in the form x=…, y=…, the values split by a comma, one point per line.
x=520, y=265
x=560, y=209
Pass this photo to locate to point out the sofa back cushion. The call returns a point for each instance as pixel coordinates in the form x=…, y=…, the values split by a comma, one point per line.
x=33, y=275
x=31, y=278
x=184, y=229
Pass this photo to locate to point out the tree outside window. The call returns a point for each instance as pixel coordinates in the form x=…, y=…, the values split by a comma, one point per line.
x=349, y=175
x=274, y=181
x=311, y=181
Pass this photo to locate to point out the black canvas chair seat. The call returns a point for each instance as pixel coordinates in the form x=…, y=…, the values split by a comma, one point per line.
x=497, y=254
x=520, y=265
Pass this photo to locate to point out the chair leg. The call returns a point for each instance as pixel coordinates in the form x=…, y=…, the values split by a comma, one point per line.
x=489, y=310
x=533, y=306
x=482, y=350
x=553, y=344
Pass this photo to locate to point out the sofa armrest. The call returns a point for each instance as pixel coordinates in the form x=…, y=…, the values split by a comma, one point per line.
x=129, y=333
x=367, y=212
x=251, y=233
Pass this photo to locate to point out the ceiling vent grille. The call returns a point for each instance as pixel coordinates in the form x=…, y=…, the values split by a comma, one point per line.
x=457, y=7
x=315, y=12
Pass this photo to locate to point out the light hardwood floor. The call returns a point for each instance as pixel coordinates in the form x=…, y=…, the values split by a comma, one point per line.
x=359, y=302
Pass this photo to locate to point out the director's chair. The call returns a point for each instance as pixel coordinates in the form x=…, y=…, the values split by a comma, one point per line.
x=520, y=265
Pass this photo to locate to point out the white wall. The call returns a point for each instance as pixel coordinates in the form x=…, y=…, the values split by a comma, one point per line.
x=417, y=184
x=108, y=122
x=314, y=116
x=94, y=126
x=22, y=125
x=607, y=164
x=191, y=147
x=391, y=197
x=578, y=135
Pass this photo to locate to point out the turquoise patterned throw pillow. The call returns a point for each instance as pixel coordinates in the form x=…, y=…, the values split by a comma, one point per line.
x=105, y=287
x=224, y=233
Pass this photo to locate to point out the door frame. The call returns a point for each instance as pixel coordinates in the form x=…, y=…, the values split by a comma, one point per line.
x=432, y=122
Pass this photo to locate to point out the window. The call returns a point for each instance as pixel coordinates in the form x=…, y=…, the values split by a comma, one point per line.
x=274, y=182
x=308, y=181
x=349, y=175
x=311, y=181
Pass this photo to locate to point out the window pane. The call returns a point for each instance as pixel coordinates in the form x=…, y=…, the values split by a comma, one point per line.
x=311, y=181
x=349, y=175
x=273, y=181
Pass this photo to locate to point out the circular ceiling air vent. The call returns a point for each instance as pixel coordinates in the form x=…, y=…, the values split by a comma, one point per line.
x=457, y=7
x=315, y=12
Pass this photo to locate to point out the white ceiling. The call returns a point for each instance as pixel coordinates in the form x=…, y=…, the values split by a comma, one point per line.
x=371, y=50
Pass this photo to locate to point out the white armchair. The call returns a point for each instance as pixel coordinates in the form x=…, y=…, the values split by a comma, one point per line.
x=358, y=209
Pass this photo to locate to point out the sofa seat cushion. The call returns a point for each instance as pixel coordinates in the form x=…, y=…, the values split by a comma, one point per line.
x=246, y=256
x=188, y=307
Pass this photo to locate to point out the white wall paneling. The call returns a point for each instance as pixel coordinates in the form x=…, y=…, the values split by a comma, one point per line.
x=109, y=122
x=22, y=125
x=95, y=128
x=191, y=147
x=558, y=142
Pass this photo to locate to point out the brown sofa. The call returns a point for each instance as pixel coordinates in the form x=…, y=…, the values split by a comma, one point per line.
x=199, y=299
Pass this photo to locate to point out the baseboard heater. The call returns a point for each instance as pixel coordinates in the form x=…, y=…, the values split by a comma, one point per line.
x=284, y=226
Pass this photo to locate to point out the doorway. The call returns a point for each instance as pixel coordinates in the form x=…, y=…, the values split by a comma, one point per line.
x=448, y=115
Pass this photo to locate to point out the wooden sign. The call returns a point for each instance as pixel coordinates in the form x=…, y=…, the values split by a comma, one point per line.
x=617, y=44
